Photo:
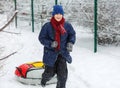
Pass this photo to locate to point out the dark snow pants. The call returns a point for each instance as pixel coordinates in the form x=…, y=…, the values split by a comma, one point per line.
x=60, y=68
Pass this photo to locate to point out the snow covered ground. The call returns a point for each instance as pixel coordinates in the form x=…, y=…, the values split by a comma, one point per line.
x=88, y=70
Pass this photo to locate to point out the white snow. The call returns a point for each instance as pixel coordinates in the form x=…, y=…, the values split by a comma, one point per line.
x=88, y=70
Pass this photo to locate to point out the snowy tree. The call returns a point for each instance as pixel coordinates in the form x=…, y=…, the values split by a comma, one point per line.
x=80, y=12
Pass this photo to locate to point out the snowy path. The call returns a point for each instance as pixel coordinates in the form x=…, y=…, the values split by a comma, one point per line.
x=88, y=70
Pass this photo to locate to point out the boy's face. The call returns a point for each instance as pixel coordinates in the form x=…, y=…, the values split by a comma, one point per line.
x=58, y=17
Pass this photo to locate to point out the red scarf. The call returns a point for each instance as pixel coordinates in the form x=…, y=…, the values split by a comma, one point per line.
x=59, y=29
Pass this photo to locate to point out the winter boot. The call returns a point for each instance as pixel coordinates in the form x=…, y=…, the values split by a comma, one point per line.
x=60, y=84
x=43, y=82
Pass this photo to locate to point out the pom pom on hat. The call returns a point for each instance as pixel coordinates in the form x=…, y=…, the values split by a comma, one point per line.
x=57, y=9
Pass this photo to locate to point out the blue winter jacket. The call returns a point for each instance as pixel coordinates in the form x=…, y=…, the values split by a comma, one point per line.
x=46, y=37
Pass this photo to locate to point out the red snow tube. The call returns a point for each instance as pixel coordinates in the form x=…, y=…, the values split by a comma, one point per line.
x=31, y=73
x=22, y=70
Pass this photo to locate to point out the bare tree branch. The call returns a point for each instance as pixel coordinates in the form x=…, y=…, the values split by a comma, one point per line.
x=8, y=56
x=15, y=13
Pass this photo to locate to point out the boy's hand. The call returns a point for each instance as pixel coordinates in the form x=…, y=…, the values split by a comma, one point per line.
x=69, y=47
x=54, y=44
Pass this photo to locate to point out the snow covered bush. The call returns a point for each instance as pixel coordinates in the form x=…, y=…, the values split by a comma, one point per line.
x=109, y=23
x=108, y=20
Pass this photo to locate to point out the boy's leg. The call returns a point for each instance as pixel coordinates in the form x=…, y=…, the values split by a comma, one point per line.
x=47, y=75
x=62, y=72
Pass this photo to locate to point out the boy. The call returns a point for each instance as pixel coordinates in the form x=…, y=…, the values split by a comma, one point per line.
x=57, y=37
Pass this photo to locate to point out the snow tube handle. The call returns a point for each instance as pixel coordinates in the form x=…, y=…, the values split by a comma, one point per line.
x=20, y=71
